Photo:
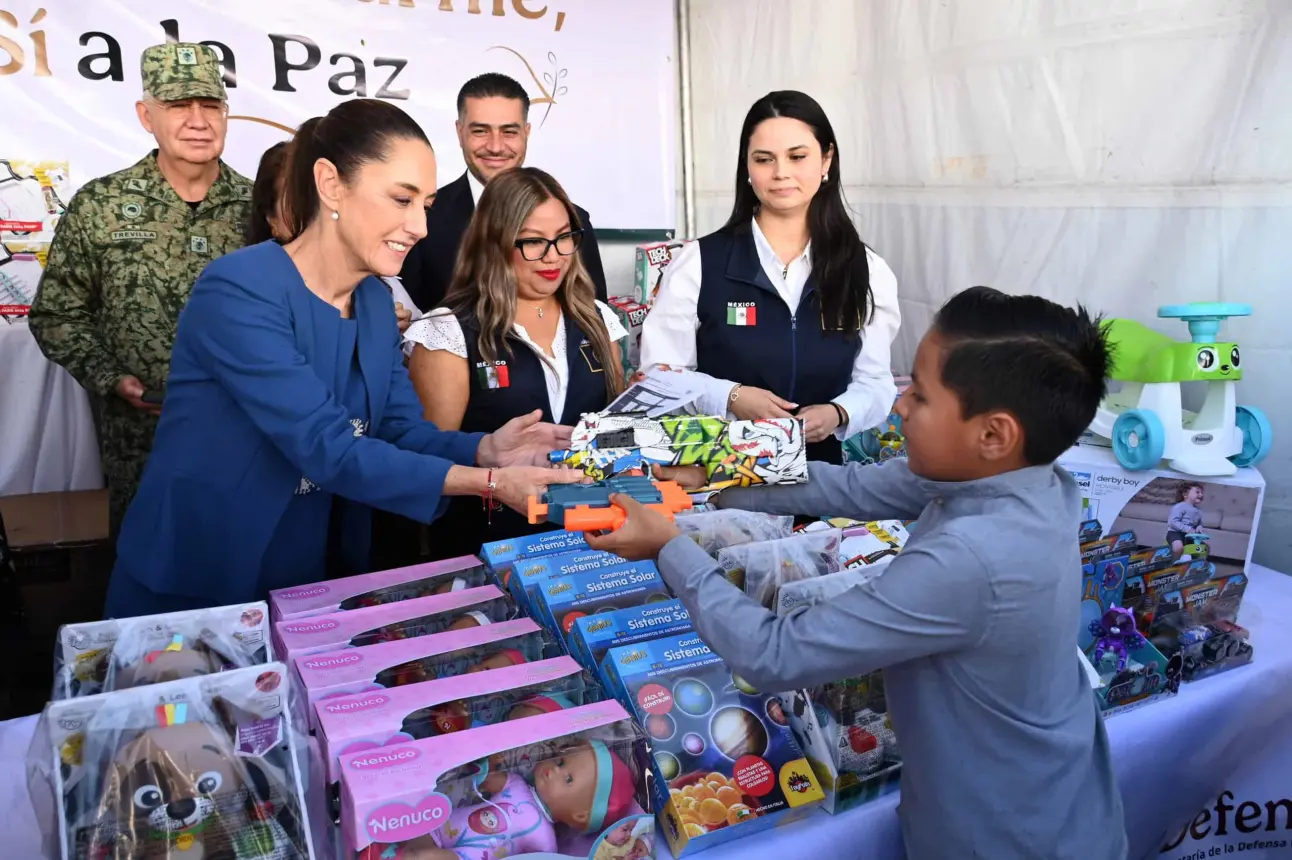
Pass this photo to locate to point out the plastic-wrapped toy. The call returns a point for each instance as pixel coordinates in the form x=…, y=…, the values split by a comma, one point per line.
x=200, y=768
x=762, y=568
x=1146, y=421
x=103, y=656
x=1115, y=634
x=715, y=530
x=423, y=800
x=733, y=453
x=587, y=507
x=407, y=619
x=349, y=671
x=377, y=589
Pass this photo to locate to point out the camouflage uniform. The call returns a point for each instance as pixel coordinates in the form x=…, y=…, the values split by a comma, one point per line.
x=122, y=263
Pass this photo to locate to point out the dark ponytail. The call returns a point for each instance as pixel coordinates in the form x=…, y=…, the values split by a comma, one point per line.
x=264, y=194
x=352, y=134
x=840, y=270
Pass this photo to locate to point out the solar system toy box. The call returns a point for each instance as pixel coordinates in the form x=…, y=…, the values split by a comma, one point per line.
x=456, y=610
x=376, y=589
x=383, y=718
x=528, y=573
x=501, y=555
x=594, y=635
x=562, y=600
x=410, y=661
x=846, y=734
x=565, y=784
x=200, y=767
x=101, y=656
x=726, y=763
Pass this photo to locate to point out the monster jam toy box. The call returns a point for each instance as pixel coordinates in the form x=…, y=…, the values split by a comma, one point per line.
x=565, y=784
x=501, y=555
x=594, y=635
x=562, y=600
x=348, y=671
x=1163, y=507
x=472, y=607
x=528, y=573
x=375, y=589
x=1147, y=677
x=726, y=763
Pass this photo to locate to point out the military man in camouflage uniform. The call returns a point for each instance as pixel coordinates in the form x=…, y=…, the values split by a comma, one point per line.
x=126, y=254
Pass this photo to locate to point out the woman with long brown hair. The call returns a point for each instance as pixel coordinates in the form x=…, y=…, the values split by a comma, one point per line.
x=520, y=330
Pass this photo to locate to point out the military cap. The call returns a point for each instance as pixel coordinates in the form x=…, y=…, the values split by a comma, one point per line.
x=181, y=70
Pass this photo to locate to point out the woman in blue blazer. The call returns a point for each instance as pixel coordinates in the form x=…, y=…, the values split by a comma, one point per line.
x=288, y=412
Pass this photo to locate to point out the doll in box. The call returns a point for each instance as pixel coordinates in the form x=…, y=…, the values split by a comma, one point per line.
x=583, y=788
x=179, y=657
x=418, y=670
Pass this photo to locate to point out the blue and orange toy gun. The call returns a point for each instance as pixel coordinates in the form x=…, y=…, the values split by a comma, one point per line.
x=587, y=507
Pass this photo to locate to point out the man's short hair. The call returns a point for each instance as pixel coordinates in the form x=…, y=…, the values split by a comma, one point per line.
x=1044, y=363
x=492, y=85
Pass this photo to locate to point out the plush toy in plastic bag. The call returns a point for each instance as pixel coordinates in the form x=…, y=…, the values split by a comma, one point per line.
x=716, y=530
x=762, y=568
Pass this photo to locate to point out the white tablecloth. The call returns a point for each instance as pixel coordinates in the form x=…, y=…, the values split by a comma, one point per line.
x=47, y=439
x=1173, y=758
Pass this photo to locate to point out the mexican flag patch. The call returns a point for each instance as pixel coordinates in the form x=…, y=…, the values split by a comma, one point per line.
x=492, y=375
x=739, y=313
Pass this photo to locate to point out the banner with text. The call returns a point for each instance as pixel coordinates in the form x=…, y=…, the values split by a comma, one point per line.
x=601, y=77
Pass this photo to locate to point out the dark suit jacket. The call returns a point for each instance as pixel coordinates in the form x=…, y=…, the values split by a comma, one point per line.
x=429, y=266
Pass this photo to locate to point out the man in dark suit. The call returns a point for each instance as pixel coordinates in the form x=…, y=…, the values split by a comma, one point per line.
x=493, y=129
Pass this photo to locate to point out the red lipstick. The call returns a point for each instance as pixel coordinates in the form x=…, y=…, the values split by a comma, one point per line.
x=549, y=274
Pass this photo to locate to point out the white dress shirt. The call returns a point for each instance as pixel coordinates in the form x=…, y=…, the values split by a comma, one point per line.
x=476, y=186
x=440, y=330
x=668, y=334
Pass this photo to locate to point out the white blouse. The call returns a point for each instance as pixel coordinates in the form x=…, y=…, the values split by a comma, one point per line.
x=440, y=330
x=668, y=334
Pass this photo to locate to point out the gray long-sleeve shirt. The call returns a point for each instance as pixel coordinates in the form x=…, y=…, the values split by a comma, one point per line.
x=975, y=622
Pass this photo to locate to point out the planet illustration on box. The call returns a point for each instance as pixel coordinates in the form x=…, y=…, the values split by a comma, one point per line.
x=693, y=743
x=738, y=732
x=669, y=767
x=693, y=697
x=660, y=726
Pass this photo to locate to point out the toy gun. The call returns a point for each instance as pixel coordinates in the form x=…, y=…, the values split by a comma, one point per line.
x=733, y=453
x=587, y=507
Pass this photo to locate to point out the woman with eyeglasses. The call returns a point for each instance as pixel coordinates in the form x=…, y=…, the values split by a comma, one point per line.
x=520, y=330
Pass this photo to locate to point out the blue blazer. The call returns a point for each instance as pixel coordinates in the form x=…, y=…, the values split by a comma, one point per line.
x=249, y=412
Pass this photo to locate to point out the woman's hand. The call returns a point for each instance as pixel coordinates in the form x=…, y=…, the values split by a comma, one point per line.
x=403, y=316
x=523, y=441
x=689, y=478
x=750, y=404
x=819, y=421
x=642, y=535
x=513, y=486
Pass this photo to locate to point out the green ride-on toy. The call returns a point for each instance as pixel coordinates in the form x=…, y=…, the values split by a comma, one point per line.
x=1146, y=421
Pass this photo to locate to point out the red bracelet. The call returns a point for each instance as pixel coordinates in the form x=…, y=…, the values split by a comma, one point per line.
x=490, y=504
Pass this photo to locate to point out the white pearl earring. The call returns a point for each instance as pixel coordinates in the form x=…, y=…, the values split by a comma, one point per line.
x=825, y=177
x=749, y=179
x=336, y=216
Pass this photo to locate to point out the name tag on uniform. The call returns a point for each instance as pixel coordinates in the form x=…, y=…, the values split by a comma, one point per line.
x=590, y=356
x=742, y=313
x=492, y=374
x=133, y=235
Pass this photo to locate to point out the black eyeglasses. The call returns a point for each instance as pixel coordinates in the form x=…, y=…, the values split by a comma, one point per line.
x=536, y=249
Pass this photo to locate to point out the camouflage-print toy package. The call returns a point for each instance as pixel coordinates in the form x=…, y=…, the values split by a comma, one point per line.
x=103, y=656
x=717, y=530
x=201, y=767
x=762, y=568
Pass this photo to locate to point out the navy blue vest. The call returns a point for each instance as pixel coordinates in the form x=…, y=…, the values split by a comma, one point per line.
x=787, y=352
x=500, y=392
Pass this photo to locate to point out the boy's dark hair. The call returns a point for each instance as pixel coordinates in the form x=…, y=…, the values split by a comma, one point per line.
x=492, y=85
x=1043, y=363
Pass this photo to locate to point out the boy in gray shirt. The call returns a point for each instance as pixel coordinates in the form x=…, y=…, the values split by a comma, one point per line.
x=975, y=622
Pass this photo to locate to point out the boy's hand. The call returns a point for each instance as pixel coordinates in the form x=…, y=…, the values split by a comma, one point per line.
x=689, y=478
x=642, y=535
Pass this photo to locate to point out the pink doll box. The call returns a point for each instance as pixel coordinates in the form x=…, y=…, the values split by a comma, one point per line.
x=329, y=674
x=570, y=783
x=376, y=589
x=405, y=620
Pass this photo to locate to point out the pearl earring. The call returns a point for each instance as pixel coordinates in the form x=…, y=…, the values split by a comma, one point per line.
x=825, y=177
x=749, y=179
x=336, y=216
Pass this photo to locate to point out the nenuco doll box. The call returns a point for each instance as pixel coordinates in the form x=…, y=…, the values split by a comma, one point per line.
x=566, y=784
x=1166, y=508
x=377, y=589
x=726, y=763
x=501, y=555
x=410, y=661
x=456, y=610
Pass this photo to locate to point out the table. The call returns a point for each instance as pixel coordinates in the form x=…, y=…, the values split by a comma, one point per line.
x=1173, y=758
x=47, y=438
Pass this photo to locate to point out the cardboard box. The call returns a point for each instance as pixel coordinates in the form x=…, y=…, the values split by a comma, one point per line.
x=631, y=315
x=1141, y=502
x=648, y=270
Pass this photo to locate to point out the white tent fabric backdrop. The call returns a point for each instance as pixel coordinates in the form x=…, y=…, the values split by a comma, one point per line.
x=1120, y=153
